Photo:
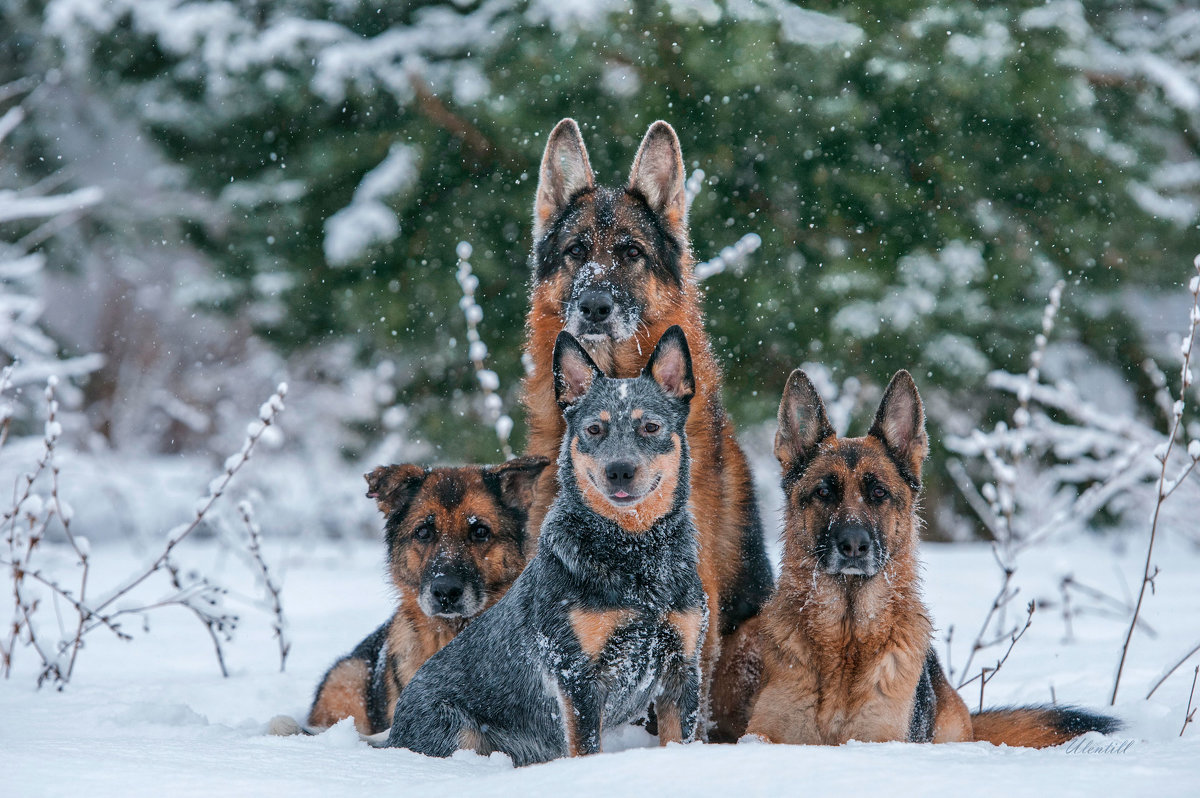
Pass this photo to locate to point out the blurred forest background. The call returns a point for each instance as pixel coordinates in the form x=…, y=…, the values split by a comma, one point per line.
x=199, y=199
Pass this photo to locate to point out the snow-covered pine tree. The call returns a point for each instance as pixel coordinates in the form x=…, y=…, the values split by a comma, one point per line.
x=920, y=174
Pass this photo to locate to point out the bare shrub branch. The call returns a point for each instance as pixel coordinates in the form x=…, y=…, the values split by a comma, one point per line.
x=1005, y=595
x=1167, y=674
x=26, y=523
x=1166, y=485
x=987, y=674
x=1190, y=714
x=274, y=596
x=1103, y=604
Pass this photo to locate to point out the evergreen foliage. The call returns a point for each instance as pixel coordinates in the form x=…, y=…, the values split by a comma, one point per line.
x=921, y=173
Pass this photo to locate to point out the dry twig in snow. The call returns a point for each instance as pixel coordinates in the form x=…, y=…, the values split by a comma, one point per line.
x=1167, y=485
x=987, y=674
x=28, y=519
x=274, y=594
x=1190, y=714
x=1167, y=674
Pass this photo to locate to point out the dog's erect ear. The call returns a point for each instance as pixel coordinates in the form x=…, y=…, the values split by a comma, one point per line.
x=565, y=172
x=393, y=487
x=803, y=425
x=658, y=175
x=671, y=364
x=517, y=479
x=573, y=370
x=900, y=424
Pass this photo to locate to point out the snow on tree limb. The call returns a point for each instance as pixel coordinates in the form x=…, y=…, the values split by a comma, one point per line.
x=15, y=206
x=477, y=351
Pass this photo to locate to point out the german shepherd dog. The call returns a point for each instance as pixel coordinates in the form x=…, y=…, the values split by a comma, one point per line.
x=846, y=648
x=456, y=541
x=609, y=614
x=613, y=267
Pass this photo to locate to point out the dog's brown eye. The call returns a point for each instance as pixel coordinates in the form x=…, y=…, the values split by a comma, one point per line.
x=824, y=492
x=594, y=429
x=423, y=533
x=651, y=428
x=633, y=252
x=879, y=493
x=575, y=251
x=480, y=532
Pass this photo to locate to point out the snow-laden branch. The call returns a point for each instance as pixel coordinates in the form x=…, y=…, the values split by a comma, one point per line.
x=10, y=121
x=730, y=257
x=477, y=351
x=29, y=517
x=1167, y=485
x=16, y=206
x=272, y=588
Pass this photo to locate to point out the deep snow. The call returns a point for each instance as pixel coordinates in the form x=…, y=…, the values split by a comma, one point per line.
x=153, y=717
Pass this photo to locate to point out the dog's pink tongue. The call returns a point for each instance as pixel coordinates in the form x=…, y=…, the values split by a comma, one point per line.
x=621, y=494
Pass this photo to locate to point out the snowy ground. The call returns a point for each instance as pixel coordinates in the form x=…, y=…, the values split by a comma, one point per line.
x=154, y=717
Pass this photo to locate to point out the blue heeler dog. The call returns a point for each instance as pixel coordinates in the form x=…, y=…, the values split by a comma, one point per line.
x=609, y=614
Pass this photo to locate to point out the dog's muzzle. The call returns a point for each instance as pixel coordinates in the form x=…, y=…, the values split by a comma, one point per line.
x=852, y=550
x=594, y=314
x=448, y=595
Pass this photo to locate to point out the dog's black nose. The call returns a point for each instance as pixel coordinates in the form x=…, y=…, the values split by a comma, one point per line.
x=853, y=541
x=596, y=305
x=446, y=590
x=620, y=475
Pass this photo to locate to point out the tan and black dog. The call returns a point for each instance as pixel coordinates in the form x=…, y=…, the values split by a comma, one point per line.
x=613, y=267
x=845, y=643
x=456, y=541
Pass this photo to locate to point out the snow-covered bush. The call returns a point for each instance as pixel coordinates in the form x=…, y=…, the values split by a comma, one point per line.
x=911, y=195
x=39, y=503
x=28, y=215
x=1063, y=463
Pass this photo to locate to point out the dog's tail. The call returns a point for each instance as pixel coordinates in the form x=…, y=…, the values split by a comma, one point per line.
x=1039, y=727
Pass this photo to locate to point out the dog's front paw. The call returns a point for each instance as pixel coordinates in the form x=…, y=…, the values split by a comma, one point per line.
x=284, y=726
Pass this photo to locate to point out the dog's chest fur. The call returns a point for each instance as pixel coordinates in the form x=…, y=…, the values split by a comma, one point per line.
x=862, y=652
x=626, y=650
x=620, y=626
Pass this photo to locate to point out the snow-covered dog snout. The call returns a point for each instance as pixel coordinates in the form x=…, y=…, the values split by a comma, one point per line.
x=600, y=308
x=451, y=591
x=596, y=306
x=852, y=549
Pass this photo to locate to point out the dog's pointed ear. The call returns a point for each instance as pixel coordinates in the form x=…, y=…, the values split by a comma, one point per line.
x=657, y=175
x=900, y=424
x=574, y=371
x=565, y=172
x=671, y=364
x=516, y=479
x=803, y=425
x=394, y=486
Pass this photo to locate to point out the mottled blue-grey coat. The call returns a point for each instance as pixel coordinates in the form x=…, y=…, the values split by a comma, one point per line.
x=607, y=616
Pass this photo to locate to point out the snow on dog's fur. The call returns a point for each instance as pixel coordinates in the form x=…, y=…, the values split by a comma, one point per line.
x=613, y=267
x=844, y=647
x=456, y=540
x=610, y=613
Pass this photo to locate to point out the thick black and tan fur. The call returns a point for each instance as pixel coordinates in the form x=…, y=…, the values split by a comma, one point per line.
x=844, y=648
x=613, y=266
x=610, y=613
x=456, y=541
